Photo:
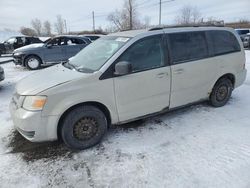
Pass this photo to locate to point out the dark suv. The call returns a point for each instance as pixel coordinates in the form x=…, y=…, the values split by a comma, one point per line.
x=55, y=50
x=8, y=46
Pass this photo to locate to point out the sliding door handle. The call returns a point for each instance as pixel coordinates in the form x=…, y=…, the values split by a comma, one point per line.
x=179, y=71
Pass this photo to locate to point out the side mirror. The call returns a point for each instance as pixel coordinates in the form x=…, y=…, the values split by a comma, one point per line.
x=123, y=68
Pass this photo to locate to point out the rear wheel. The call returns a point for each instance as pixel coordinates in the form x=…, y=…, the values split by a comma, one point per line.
x=83, y=127
x=221, y=93
x=33, y=62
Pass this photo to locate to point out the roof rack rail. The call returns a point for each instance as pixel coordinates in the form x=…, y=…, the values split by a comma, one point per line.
x=202, y=24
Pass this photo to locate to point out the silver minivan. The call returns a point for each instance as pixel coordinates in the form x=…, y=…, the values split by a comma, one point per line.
x=127, y=76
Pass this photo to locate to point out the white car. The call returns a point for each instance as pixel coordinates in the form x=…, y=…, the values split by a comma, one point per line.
x=127, y=76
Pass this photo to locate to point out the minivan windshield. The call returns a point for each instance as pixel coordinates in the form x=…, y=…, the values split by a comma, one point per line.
x=95, y=55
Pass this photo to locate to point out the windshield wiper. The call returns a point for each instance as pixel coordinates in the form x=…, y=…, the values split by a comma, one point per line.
x=69, y=65
x=85, y=70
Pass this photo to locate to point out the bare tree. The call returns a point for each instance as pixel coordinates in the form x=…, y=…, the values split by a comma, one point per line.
x=28, y=31
x=188, y=15
x=47, y=28
x=37, y=26
x=59, y=25
x=125, y=19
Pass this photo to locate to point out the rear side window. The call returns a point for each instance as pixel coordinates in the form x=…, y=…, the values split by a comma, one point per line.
x=223, y=42
x=188, y=46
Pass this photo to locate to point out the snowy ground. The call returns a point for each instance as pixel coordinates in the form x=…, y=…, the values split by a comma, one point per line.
x=5, y=58
x=198, y=146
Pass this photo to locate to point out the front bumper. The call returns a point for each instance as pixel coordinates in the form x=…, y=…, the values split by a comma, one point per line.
x=32, y=125
x=18, y=59
x=246, y=44
x=2, y=77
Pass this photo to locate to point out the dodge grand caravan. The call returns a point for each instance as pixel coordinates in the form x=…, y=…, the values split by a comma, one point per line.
x=127, y=76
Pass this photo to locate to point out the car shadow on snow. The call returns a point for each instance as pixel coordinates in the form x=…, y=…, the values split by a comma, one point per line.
x=36, y=151
x=31, y=152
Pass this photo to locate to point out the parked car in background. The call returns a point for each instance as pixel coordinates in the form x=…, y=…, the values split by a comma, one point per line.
x=243, y=33
x=246, y=41
x=93, y=37
x=128, y=76
x=8, y=46
x=1, y=74
x=55, y=50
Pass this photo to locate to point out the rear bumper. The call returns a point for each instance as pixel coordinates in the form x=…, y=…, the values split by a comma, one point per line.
x=240, y=78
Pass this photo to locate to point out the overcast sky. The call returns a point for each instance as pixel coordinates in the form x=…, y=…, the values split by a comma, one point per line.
x=17, y=13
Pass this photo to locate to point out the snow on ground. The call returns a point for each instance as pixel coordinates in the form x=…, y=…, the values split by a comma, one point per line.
x=5, y=58
x=198, y=146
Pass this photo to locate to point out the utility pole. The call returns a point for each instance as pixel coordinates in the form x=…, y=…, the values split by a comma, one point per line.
x=130, y=15
x=93, y=15
x=160, y=3
x=160, y=14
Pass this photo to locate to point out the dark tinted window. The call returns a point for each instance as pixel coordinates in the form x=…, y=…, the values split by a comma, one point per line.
x=243, y=31
x=145, y=54
x=79, y=41
x=36, y=40
x=223, y=42
x=188, y=46
x=93, y=37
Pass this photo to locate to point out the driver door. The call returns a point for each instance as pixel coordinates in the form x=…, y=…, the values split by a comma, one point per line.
x=54, y=51
x=147, y=89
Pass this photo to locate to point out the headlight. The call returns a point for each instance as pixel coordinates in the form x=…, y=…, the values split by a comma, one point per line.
x=34, y=103
x=18, y=54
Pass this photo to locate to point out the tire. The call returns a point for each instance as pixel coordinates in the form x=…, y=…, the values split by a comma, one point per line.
x=83, y=127
x=33, y=62
x=221, y=93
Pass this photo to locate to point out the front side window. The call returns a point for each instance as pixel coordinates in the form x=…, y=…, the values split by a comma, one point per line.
x=223, y=42
x=188, y=46
x=11, y=40
x=145, y=54
x=55, y=42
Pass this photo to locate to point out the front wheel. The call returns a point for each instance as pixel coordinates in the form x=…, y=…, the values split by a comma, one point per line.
x=83, y=127
x=33, y=62
x=221, y=93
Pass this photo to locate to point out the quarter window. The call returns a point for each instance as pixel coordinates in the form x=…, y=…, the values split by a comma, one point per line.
x=223, y=42
x=188, y=46
x=145, y=54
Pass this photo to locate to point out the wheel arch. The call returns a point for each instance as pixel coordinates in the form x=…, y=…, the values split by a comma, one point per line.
x=99, y=105
x=229, y=76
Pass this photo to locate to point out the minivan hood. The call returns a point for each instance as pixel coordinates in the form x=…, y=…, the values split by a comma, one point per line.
x=45, y=79
x=29, y=47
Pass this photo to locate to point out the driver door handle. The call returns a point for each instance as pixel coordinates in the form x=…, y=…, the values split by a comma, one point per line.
x=162, y=74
